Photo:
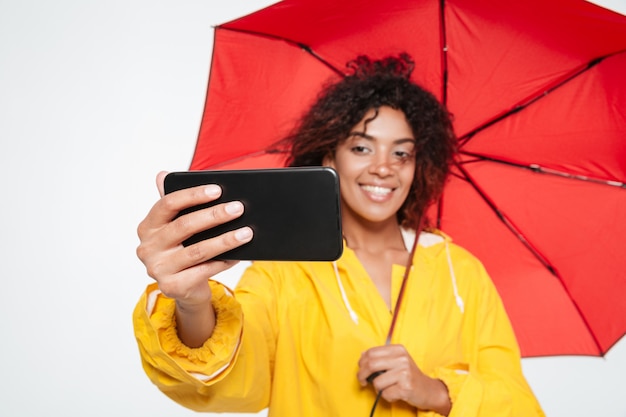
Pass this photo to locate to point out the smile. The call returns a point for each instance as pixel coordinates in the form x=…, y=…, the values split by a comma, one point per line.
x=373, y=189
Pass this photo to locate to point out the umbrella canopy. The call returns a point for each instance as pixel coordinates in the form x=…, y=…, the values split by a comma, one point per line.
x=538, y=93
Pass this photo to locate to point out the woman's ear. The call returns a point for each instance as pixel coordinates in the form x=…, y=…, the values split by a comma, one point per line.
x=328, y=161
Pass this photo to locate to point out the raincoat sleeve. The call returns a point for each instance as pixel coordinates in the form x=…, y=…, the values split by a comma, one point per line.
x=491, y=382
x=230, y=372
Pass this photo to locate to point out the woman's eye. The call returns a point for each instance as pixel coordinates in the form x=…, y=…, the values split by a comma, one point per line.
x=403, y=154
x=359, y=149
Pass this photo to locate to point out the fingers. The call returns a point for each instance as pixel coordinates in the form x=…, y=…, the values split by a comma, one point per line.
x=158, y=232
x=171, y=204
x=182, y=258
x=394, y=373
x=380, y=359
x=161, y=249
x=182, y=272
x=189, y=224
x=190, y=286
x=373, y=375
x=402, y=379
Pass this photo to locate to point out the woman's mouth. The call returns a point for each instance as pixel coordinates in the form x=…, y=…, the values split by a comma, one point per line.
x=377, y=191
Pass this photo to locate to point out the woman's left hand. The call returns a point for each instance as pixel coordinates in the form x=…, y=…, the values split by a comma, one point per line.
x=402, y=380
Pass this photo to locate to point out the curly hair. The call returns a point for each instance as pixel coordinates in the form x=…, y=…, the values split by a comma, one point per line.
x=372, y=84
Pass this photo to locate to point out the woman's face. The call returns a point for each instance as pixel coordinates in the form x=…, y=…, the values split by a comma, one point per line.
x=376, y=164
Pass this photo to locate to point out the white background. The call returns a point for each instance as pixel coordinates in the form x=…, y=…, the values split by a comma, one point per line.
x=95, y=98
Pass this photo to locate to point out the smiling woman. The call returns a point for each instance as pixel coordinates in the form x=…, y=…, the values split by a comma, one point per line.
x=96, y=98
x=336, y=338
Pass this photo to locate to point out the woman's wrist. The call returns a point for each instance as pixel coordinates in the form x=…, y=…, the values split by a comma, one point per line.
x=194, y=322
x=440, y=397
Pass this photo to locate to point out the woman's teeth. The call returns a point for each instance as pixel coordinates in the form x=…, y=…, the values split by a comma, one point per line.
x=376, y=190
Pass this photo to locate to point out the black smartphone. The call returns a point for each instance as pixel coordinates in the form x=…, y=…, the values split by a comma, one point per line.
x=294, y=212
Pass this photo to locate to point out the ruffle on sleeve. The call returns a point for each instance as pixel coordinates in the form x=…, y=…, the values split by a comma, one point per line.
x=453, y=379
x=219, y=351
x=465, y=393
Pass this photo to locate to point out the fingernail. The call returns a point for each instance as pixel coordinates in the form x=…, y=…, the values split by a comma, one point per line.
x=234, y=207
x=243, y=234
x=212, y=190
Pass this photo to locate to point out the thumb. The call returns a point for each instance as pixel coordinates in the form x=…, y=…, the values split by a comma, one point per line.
x=160, y=179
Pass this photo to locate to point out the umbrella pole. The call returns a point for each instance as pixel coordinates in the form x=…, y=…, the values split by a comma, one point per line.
x=394, y=318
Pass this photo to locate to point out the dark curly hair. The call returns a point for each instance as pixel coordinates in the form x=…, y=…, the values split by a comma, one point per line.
x=372, y=84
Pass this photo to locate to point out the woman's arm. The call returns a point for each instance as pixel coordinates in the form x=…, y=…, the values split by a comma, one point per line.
x=182, y=273
x=231, y=371
x=493, y=383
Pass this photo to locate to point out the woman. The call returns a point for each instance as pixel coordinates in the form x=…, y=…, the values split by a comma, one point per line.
x=416, y=322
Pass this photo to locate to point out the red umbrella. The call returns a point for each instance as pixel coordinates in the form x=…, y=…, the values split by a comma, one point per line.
x=538, y=92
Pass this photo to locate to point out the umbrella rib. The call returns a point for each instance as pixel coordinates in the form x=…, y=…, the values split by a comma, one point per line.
x=444, y=53
x=528, y=245
x=506, y=221
x=314, y=54
x=544, y=170
x=444, y=80
x=534, y=98
x=300, y=45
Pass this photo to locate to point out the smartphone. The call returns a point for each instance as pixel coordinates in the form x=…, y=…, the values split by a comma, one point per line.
x=294, y=212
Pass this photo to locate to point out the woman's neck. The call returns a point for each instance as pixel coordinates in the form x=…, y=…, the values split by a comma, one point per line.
x=373, y=237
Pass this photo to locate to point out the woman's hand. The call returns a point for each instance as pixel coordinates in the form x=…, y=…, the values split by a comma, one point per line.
x=183, y=272
x=402, y=380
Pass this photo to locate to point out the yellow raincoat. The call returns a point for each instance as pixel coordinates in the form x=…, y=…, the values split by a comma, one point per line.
x=286, y=339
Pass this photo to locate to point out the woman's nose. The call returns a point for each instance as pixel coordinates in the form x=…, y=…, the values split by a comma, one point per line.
x=381, y=165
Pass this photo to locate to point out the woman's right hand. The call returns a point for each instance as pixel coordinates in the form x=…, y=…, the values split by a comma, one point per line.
x=183, y=272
